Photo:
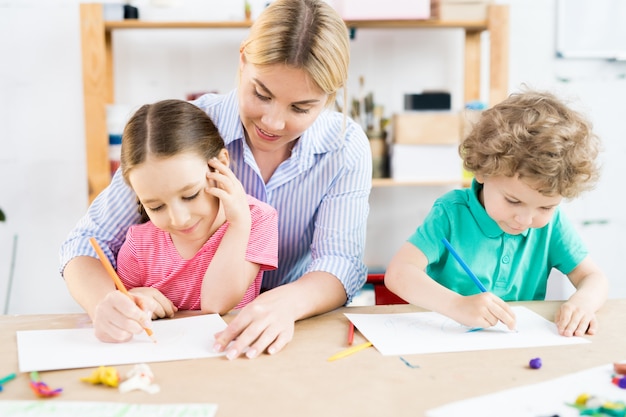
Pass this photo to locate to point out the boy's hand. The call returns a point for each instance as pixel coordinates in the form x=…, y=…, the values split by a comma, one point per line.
x=573, y=320
x=483, y=310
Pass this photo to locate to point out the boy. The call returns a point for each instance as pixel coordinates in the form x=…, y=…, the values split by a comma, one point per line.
x=527, y=154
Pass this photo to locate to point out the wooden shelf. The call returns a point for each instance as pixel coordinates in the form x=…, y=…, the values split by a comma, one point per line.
x=98, y=77
x=390, y=182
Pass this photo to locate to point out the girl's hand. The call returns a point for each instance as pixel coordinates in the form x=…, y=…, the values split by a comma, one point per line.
x=163, y=307
x=264, y=324
x=231, y=193
x=483, y=310
x=573, y=320
x=117, y=317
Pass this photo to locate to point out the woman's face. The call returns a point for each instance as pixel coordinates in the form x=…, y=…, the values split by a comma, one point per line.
x=277, y=104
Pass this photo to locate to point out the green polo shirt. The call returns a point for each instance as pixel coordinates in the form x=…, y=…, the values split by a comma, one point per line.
x=513, y=267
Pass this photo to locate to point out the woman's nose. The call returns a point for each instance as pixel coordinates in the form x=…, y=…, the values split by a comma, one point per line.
x=274, y=119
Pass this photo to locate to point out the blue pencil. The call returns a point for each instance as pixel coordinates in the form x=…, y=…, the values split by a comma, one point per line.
x=461, y=262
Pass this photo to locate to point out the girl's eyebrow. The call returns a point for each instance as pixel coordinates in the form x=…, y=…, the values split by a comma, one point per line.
x=270, y=94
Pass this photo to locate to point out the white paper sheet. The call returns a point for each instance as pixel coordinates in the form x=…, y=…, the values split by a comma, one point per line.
x=550, y=398
x=58, y=408
x=429, y=332
x=177, y=339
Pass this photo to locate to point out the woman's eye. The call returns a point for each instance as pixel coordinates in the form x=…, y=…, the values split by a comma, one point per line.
x=191, y=197
x=299, y=110
x=261, y=97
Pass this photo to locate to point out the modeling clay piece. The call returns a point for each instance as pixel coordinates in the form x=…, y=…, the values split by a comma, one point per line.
x=140, y=377
x=535, y=363
x=104, y=375
x=41, y=388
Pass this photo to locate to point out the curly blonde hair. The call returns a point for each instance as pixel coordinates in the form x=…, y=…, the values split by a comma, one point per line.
x=537, y=137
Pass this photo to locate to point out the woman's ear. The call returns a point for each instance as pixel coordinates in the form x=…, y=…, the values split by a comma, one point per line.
x=479, y=178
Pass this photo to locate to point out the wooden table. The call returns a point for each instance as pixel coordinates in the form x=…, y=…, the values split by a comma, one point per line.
x=300, y=381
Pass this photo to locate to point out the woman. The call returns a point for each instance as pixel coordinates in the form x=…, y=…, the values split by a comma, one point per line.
x=289, y=149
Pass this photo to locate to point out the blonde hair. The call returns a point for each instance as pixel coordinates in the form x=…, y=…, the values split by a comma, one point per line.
x=534, y=135
x=306, y=34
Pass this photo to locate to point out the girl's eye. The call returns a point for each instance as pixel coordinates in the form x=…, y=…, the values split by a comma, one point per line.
x=511, y=201
x=191, y=197
x=155, y=208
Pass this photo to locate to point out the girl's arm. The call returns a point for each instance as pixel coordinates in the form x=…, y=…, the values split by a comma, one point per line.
x=576, y=316
x=229, y=274
x=107, y=219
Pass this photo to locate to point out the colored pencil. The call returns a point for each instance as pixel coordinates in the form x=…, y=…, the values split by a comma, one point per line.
x=350, y=334
x=461, y=262
x=350, y=351
x=116, y=279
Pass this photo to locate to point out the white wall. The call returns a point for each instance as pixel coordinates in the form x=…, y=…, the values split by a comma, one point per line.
x=42, y=162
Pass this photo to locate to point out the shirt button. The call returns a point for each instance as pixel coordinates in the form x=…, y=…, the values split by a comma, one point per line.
x=506, y=259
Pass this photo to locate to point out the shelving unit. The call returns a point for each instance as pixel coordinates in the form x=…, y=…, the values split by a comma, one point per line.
x=98, y=77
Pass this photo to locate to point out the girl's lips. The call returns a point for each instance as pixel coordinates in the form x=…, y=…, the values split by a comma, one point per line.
x=188, y=230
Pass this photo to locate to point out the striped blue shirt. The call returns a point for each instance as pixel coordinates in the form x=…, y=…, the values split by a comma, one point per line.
x=320, y=193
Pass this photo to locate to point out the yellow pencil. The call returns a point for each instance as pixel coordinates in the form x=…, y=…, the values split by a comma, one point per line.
x=116, y=279
x=350, y=351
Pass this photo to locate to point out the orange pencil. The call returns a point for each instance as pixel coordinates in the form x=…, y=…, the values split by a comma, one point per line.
x=116, y=279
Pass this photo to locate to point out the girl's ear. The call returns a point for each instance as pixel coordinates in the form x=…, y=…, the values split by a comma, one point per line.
x=224, y=157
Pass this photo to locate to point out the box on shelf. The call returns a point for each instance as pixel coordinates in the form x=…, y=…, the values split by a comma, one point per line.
x=425, y=162
x=426, y=127
x=462, y=9
x=382, y=10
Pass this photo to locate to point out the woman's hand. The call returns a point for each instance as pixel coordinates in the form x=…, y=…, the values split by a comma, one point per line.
x=267, y=323
x=118, y=317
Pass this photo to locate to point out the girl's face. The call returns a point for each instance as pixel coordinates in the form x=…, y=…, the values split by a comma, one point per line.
x=276, y=104
x=514, y=205
x=172, y=191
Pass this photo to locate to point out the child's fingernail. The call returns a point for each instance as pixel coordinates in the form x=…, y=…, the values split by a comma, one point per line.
x=217, y=347
x=251, y=353
x=231, y=354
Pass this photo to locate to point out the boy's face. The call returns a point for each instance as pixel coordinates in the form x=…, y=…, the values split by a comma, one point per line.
x=514, y=205
x=172, y=191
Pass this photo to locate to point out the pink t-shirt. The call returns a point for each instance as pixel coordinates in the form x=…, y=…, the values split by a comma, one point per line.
x=148, y=258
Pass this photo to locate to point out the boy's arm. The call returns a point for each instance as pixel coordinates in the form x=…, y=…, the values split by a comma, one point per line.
x=577, y=315
x=406, y=276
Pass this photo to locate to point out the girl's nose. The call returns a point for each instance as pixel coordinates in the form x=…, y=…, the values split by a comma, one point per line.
x=178, y=216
